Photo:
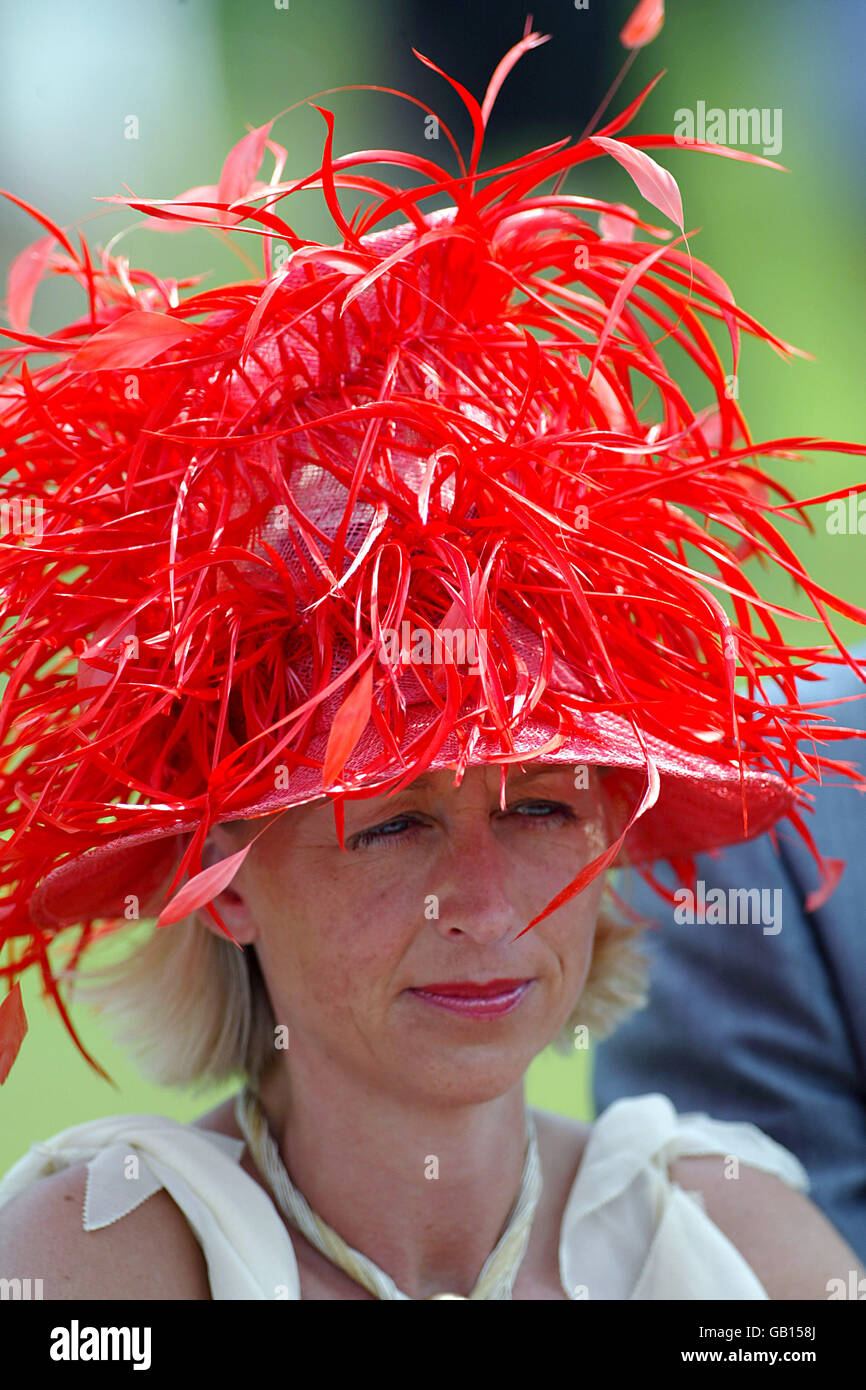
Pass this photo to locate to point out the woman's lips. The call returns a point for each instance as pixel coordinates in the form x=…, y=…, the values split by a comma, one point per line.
x=476, y=1001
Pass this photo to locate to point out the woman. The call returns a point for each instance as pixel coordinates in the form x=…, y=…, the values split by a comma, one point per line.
x=401, y=1120
x=378, y=582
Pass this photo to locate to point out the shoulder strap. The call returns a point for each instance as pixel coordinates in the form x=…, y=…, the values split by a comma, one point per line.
x=246, y=1245
x=629, y=1232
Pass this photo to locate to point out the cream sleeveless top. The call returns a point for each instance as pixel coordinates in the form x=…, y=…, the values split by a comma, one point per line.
x=628, y=1231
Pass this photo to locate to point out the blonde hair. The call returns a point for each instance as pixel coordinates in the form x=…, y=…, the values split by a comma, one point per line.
x=192, y=1009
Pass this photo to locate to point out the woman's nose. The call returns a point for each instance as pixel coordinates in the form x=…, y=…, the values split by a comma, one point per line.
x=471, y=887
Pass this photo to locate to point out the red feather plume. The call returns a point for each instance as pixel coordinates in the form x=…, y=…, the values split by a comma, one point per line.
x=512, y=355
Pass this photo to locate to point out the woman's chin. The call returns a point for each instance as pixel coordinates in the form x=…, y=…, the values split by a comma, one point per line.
x=468, y=1081
x=471, y=1066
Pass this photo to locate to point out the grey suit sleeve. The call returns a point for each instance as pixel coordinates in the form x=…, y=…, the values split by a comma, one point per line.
x=748, y=1022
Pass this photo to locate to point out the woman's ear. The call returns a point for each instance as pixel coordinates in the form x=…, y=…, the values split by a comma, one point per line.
x=231, y=903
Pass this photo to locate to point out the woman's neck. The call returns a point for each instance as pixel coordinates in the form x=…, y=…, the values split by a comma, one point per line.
x=424, y=1191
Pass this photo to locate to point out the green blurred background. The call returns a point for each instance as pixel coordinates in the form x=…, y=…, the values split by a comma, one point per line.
x=197, y=73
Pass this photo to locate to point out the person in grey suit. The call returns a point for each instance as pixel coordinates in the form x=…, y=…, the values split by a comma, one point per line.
x=766, y=1021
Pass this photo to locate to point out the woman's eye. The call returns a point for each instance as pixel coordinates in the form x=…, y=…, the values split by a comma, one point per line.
x=403, y=828
x=556, y=811
x=387, y=833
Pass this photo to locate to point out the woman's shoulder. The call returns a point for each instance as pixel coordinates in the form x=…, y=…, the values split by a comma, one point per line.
x=786, y=1240
x=151, y=1254
x=165, y=1204
x=648, y=1129
x=749, y=1186
x=637, y=1132
x=87, y=1210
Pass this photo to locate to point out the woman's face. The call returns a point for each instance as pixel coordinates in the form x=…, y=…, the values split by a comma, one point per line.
x=434, y=886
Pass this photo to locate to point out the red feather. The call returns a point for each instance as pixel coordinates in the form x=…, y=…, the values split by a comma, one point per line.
x=643, y=24
x=199, y=890
x=25, y=273
x=13, y=1027
x=241, y=165
x=834, y=869
x=655, y=183
x=350, y=722
x=132, y=341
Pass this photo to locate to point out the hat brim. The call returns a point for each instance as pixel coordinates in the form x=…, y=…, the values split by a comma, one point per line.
x=700, y=807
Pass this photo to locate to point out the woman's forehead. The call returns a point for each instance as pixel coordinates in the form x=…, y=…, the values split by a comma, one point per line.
x=440, y=782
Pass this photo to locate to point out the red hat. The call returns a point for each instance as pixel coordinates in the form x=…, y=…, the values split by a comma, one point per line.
x=427, y=497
